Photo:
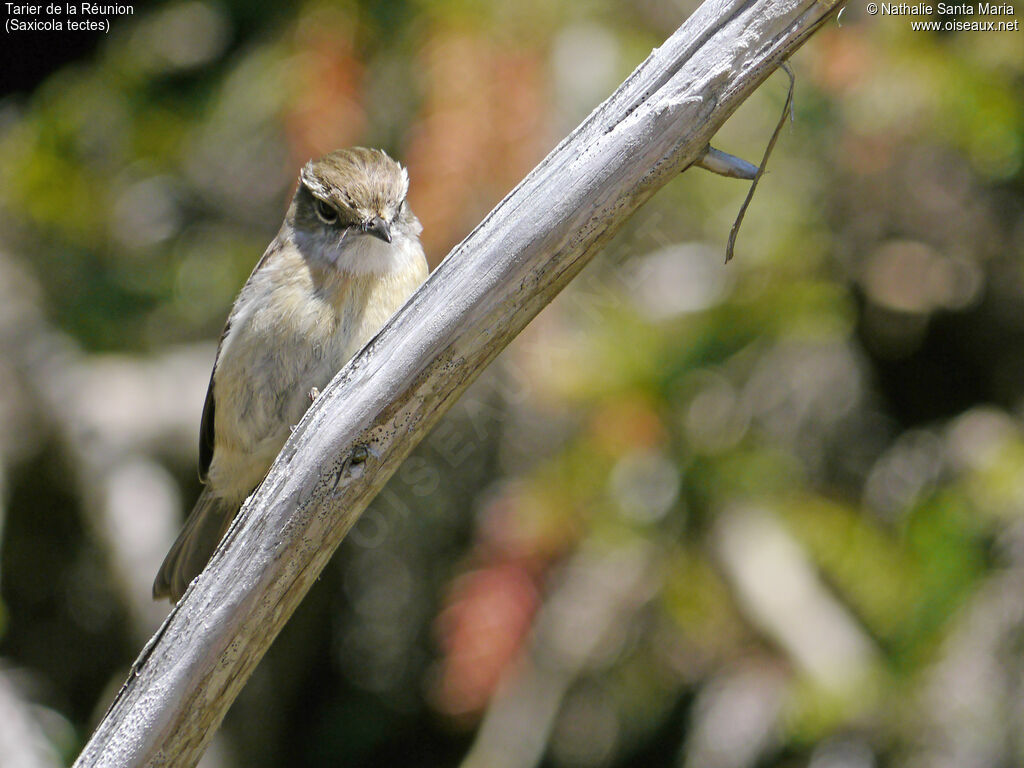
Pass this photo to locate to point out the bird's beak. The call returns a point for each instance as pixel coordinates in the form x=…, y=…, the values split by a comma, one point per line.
x=378, y=227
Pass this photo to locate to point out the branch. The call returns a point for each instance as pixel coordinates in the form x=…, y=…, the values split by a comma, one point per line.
x=387, y=398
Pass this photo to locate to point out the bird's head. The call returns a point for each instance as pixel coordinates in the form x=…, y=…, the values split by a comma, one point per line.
x=350, y=210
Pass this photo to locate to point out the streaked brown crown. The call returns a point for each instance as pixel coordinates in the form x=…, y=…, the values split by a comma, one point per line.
x=367, y=182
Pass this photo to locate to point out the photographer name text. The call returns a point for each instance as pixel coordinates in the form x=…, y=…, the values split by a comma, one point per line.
x=943, y=9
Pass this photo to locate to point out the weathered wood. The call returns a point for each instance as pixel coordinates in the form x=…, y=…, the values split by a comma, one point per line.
x=387, y=398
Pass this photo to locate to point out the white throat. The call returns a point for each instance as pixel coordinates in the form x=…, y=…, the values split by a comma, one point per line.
x=363, y=254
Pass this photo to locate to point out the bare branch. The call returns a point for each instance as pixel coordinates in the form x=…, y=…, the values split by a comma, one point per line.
x=389, y=396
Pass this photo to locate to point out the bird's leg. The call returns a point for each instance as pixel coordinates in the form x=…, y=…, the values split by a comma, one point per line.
x=313, y=394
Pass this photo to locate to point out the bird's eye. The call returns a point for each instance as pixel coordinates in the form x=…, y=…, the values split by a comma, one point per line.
x=324, y=211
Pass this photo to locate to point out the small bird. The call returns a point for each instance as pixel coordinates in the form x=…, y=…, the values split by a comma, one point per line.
x=346, y=257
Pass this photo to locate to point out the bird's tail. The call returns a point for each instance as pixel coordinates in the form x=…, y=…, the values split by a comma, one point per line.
x=203, y=530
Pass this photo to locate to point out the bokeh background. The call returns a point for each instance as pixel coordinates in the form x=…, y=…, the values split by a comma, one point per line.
x=697, y=515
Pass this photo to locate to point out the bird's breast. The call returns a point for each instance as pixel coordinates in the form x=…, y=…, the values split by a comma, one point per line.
x=291, y=330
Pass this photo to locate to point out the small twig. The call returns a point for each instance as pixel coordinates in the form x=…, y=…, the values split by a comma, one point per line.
x=787, y=109
x=724, y=164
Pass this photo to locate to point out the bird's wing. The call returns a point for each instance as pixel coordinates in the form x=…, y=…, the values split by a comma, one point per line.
x=207, y=426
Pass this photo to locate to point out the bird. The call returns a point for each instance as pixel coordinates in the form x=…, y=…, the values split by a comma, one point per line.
x=346, y=257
